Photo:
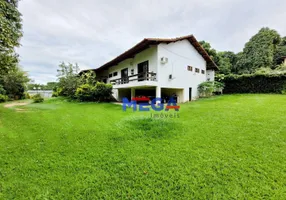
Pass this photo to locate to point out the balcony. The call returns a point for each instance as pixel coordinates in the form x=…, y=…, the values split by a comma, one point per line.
x=136, y=79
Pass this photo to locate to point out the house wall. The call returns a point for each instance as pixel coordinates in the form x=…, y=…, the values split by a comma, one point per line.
x=149, y=54
x=210, y=75
x=180, y=55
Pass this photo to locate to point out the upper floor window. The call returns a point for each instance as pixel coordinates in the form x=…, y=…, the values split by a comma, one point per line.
x=115, y=73
x=110, y=75
x=197, y=70
x=203, y=71
x=190, y=68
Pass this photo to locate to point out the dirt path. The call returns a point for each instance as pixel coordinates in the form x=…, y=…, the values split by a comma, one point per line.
x=9, y=105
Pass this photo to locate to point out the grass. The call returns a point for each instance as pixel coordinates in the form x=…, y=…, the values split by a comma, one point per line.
x=227, y=147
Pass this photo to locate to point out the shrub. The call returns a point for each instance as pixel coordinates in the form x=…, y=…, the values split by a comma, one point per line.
x=255, y=83
x=3, y=98
x=57, y=92
x=26, y=95
x=206, y=89
x=102, y=91
x=85, y=92
x=37, y=98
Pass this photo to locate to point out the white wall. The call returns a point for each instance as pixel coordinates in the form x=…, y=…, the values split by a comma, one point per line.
x=149, y=54
x=180, y=55
x=43, y=93
x=210, y=75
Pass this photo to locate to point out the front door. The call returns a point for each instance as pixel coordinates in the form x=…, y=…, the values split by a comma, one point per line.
x=143, y=69
x=124, y=76
x=190, y=94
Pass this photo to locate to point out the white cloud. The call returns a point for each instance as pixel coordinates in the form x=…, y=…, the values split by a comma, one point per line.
x=91, y=32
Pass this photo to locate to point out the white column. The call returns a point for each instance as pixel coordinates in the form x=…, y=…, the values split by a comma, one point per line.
x=132, y=92
x=158, y=93
x=285, y=61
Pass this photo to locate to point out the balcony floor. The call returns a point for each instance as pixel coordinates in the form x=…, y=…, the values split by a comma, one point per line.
x=133, y=84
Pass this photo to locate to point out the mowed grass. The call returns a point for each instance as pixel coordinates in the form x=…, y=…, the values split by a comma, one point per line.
x=226, y=147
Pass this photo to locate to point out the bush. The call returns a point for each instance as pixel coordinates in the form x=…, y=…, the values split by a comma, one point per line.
x=100, y=92
x=3, y=98
x=37, y=98
x=255, y=83
x=206, y=89
x=26, y=95
x=85, y=92
x=2, y=90
x=56, y=92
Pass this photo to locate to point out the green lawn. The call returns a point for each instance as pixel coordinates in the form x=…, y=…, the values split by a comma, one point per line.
x=227, y=147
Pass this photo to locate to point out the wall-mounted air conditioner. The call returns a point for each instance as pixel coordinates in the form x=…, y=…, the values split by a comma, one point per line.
x=164, y=60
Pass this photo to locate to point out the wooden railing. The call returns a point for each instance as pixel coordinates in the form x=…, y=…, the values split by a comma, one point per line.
x=149, y=76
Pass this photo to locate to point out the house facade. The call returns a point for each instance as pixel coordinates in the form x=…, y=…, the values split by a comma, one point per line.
x=160, y=68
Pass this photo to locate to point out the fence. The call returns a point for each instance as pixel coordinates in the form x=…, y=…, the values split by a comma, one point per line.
x=43, y=93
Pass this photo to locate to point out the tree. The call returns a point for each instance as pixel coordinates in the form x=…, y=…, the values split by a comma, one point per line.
x=51, y=85
x=15, y=83
x=212, y=52
x=12, y=77
x=259, y=51
x=68, y=78
x=10, y=25
x=226, y=62
x=280, y=52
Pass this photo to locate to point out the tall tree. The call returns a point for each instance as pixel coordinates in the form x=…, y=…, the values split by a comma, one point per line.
x=259, y=51
x=10, y=25
x=211, y=51
x=12, y=77
x=10, y=34
x=280, y=52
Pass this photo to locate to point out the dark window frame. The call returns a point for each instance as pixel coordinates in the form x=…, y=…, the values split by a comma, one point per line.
x=197, y=70
x=203, y=71
x=110, y=75
x=190, y=68
x=115, y=73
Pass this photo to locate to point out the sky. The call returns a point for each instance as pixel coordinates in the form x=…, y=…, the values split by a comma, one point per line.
x=92, y=32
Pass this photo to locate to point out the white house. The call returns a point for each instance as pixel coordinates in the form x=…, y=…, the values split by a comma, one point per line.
x=159, y=67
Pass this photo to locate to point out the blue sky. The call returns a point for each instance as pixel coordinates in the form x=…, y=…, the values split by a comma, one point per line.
x=91, y=32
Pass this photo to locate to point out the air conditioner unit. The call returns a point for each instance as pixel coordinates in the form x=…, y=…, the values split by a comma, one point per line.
x=164, y=60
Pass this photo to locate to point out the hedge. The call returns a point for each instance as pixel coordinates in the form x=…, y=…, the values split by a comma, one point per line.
x=255, y=83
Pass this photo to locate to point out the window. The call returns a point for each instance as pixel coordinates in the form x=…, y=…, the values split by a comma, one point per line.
x=132, y=71
x=115, y=73
x=110, y=75
x=197, y=70
x=203, y=71
x=190, y=68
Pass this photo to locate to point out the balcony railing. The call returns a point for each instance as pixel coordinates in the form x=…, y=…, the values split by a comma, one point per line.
x=148, y=76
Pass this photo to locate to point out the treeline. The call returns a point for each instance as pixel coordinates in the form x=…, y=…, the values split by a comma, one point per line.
x=259, y=68
x=263, y=53
x=48, y=86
